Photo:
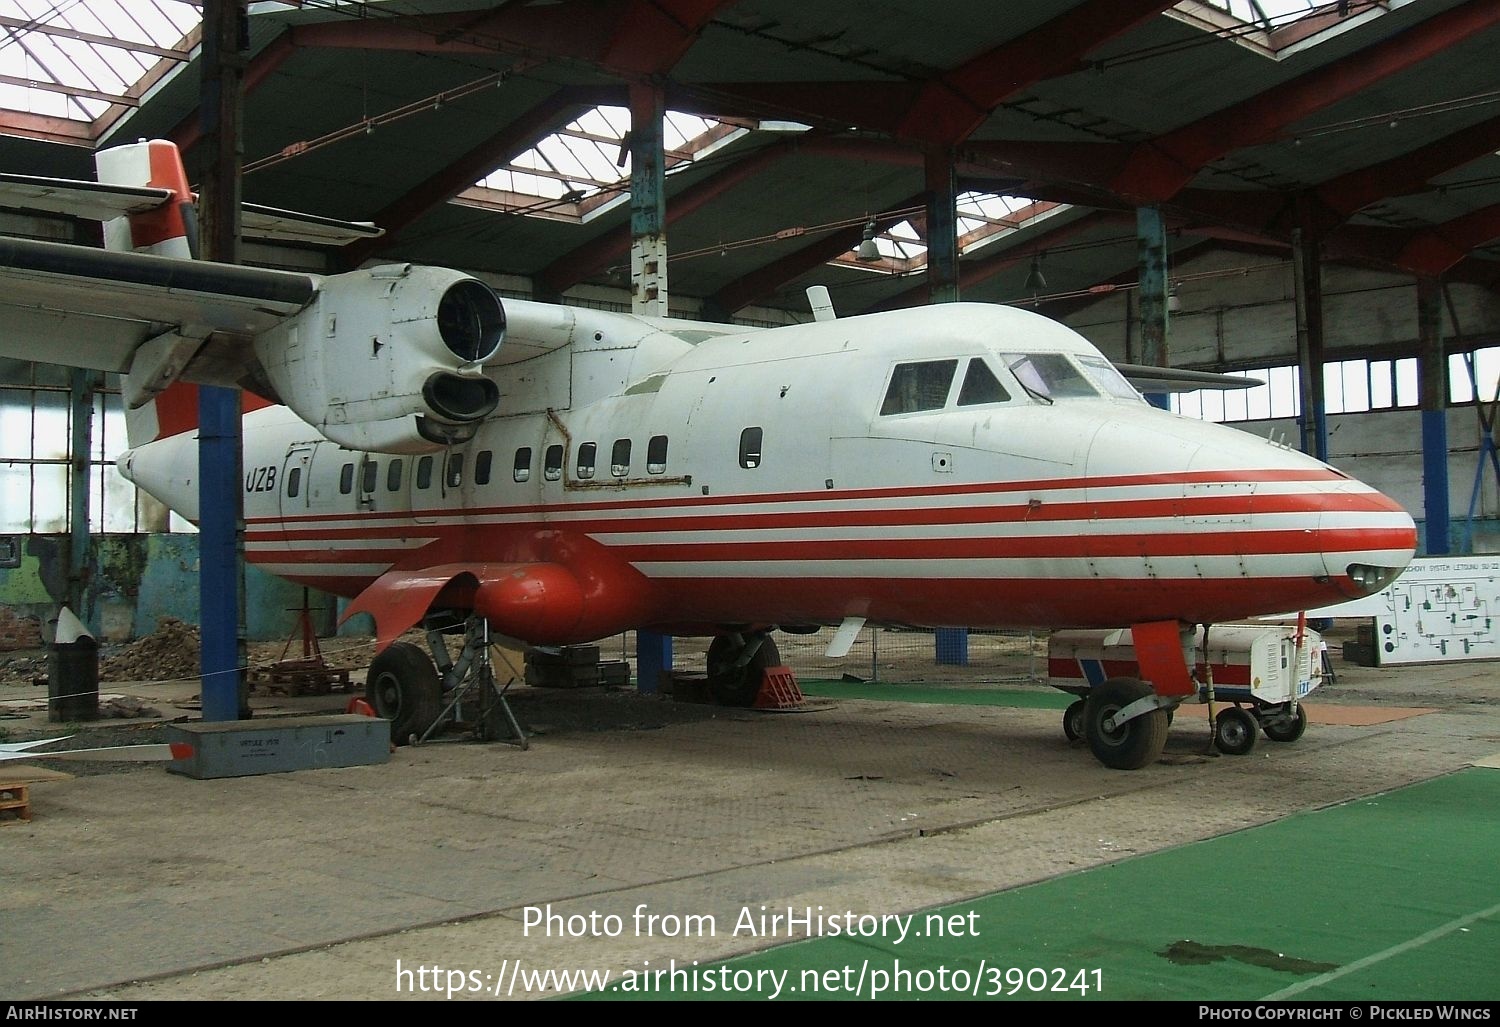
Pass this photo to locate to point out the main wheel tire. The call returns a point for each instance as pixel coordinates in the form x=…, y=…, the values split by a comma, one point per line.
x=1073, y=720
x=403, y=687
x=1287, y=731
x=738, y=686
x=1235, y=732
x=1131, y=745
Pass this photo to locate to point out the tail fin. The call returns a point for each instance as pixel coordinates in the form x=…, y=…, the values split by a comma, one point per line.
x=166, y=231
x=169, y=230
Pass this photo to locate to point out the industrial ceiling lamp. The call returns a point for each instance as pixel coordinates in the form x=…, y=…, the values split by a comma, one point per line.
x=1035, y=280
x=1174, y=302
x=868, y=251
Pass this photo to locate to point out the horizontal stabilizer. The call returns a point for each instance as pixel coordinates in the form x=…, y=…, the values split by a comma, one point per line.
x=103, y=201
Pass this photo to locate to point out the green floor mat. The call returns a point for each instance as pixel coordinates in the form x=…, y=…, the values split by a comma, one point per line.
x=1388, y=898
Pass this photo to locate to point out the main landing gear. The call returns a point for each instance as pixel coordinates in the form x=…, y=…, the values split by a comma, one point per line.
x=736, y=663
x=419, y=694
x=1124, y=722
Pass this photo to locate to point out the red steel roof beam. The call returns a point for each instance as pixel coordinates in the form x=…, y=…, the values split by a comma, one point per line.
x=950, y=107
x=1160, y=168
x=1436, y=250
x=764, y=281
x=610, y=248
x=558, y=109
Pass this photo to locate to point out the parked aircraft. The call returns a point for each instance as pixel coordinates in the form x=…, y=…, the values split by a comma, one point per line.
x=562, y=474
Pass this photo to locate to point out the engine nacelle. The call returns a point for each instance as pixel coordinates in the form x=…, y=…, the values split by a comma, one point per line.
x=390, y=359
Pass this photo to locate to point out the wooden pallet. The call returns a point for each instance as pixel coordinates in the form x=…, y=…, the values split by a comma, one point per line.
x=300, y=677
x=15, y=799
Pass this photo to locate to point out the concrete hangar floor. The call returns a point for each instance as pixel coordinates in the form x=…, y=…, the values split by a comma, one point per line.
x=970, y=846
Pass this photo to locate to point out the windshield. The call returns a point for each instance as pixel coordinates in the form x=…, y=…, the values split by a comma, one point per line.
x=1108, y=377
x=1048, y=376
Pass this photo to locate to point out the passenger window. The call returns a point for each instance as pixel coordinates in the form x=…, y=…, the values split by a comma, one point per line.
x=369, y=475
x=981, y=385
x=619, y=458
x=552, y=469
x=656, y=454
x=750, y=447
x=424, y=472
x=393, y=476
x=919, y=386
x=455, y=474
x=293, y=482
x=521, y=469
x=346, y=479
x=482, y=467
x=586, y=459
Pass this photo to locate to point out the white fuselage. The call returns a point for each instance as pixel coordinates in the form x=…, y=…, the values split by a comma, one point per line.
x=804, y=474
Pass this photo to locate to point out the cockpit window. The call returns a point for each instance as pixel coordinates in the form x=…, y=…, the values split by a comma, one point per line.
x=1048, y=376
x=919, y=386
x=981, y=385
x=1108, y=377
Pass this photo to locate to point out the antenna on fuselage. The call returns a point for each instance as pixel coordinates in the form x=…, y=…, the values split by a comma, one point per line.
x=822, y=305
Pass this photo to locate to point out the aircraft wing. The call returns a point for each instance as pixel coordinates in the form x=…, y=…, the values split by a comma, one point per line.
x=10, y=747
x=92, y=308
x=1173, y=379
x=146, y=753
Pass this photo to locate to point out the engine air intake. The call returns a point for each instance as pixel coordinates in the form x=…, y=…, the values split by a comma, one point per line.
x=471, y=320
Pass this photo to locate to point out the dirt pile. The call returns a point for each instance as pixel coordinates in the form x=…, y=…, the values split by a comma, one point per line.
x=169, y=653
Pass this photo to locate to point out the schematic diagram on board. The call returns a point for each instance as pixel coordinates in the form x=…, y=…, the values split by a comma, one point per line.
x=1441, y=609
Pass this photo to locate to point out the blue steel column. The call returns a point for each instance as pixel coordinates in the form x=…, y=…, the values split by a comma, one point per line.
x=1151, y=251
x=82, y=382
x=951, y=645
x=219, y=550
x=224, y=31
x=1433, y=368
x=648, y=284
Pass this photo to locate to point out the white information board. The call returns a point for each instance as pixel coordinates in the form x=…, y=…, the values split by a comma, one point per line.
x=1441, y=608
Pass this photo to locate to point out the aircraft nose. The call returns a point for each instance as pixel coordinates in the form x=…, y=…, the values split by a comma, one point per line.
x=1366, y=539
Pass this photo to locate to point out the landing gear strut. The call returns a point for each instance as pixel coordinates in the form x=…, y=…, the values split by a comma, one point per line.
x=736, y=663
x=419, y=695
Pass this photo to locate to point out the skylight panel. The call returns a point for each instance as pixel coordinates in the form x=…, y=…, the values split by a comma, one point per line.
x=79, y=59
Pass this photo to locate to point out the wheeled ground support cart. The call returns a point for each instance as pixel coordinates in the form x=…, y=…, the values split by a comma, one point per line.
x=1261, y=671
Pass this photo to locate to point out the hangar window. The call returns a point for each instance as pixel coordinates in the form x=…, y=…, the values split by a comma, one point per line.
x=981, y=385
x=424, y=473
x=619, y=458
x=482, y=467
x=586, y=453
x=393, y=475
x=922, y=385
x=521, y=468
x=293, y=482
x=346, y=479
x=656, y=455
x=750, y=440
x=552, y=468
